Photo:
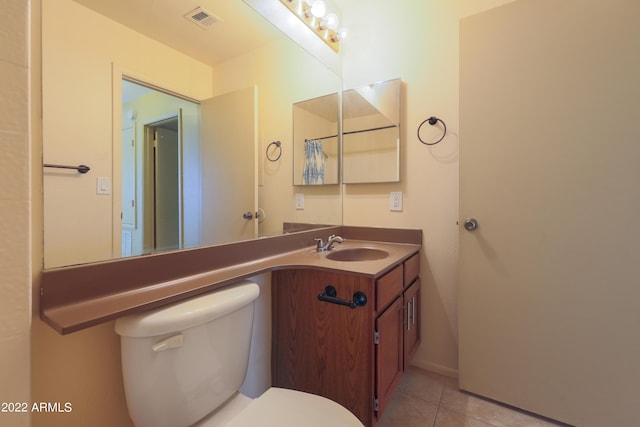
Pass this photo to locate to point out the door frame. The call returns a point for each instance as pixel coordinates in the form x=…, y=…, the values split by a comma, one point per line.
x=119, y=73
x=149, y=181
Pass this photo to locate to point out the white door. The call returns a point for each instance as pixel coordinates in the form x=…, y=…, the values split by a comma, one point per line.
x=549, y=294
x=128, y=216
x=229, y=165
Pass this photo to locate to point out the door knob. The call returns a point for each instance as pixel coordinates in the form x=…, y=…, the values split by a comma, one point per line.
x=470, y=224
x=247, y=215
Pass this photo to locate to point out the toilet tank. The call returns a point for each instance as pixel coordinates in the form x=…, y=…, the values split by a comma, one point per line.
x=180, y=362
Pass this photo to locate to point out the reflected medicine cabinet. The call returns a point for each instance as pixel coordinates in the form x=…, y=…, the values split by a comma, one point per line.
x=371, y=133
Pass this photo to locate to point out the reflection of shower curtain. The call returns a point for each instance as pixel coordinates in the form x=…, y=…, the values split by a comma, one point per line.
x=313, y=162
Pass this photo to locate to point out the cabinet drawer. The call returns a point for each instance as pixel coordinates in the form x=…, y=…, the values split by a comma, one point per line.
x=388, y=287
x=411, y=269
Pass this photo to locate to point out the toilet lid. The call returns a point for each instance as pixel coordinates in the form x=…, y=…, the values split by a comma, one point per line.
x=279, y=407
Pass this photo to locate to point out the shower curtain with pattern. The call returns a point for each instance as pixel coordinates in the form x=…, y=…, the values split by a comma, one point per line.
x=313, y=162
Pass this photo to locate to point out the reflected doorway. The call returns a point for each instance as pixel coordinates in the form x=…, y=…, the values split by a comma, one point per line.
x=195, y=191
x=162, y=185
x=161, y=171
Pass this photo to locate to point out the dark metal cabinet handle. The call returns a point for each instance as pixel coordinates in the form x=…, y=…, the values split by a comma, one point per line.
x=411, y=313
x=413, y=310
x=329, y=295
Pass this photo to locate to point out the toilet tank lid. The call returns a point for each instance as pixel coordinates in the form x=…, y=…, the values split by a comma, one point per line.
x=189, y=313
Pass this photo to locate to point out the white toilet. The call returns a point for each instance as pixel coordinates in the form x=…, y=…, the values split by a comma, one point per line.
x=183, y=365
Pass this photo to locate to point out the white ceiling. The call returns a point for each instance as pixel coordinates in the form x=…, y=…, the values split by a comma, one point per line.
x=241, y=29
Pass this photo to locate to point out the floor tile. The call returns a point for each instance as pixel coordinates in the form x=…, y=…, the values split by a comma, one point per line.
x=489, y=411
x=408, y=411
x=425, y=399
x=422, y=384
x=447, y=418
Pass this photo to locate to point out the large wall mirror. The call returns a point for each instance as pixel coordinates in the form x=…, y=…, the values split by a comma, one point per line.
x=149, y=97
x=371, y=133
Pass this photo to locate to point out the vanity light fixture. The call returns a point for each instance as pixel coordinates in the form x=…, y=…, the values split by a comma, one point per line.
x=318, y=9
x=313, y=13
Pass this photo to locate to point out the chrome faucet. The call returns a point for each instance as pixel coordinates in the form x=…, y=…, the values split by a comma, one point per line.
x=321, y=246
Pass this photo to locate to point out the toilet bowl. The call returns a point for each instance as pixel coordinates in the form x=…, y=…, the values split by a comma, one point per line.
x=279, y=407
x=183, y=365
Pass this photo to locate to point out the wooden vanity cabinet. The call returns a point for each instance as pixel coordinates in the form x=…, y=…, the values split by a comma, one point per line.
x=354, y=356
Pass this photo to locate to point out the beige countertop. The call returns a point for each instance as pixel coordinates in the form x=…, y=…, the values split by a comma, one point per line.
x=66, y=311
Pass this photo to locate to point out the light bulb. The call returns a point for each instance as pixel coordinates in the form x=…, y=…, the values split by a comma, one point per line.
x=318, y=8
x=331, y=21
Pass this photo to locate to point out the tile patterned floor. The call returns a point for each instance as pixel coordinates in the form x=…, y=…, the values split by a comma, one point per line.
x=424, y=399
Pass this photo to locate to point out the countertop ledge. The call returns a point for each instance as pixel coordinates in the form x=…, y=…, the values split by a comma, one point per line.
x=78, y=297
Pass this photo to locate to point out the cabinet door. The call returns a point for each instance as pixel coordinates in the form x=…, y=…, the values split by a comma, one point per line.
x=389, y=353
x=412, y=321
x=320, y=347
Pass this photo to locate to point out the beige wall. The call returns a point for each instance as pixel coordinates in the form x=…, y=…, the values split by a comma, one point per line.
x=417, y=41
x=15, y=209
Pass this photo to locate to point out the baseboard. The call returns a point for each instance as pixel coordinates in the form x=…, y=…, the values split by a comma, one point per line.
x=436, y=368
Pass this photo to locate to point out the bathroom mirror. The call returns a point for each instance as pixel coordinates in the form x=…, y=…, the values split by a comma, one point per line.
x=91, y=46
x=371, y=133
x=316, y=147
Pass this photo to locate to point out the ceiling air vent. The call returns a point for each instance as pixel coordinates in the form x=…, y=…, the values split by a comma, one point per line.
x=202, y=17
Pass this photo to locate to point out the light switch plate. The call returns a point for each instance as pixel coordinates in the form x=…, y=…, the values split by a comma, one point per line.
x=103, y=185
x=299, y=201
x=395, y=201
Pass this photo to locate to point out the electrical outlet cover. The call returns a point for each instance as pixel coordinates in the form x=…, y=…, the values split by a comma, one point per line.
x=395, y=201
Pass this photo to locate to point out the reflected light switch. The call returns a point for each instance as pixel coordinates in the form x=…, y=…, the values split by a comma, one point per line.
x=103, y=185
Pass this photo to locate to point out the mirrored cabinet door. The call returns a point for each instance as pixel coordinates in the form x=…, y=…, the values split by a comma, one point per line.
x=316, y=147
x=371, y=133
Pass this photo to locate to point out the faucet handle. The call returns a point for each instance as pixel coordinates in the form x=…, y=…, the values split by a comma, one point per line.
x=333, y=239
x=319, y=243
